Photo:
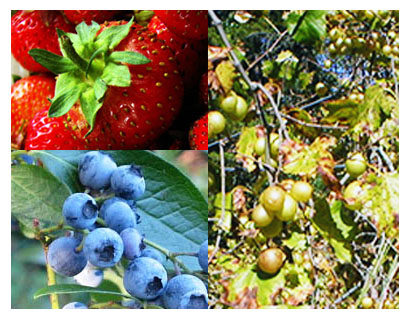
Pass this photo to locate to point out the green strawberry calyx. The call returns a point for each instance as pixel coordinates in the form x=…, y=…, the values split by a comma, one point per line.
x=88, y=66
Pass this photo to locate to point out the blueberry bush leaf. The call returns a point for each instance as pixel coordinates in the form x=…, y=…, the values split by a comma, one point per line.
x=36, y=194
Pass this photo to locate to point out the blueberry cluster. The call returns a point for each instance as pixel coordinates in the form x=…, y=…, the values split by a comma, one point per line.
x=84, y=254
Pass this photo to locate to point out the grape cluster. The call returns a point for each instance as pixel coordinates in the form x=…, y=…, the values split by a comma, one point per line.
x=104, y=235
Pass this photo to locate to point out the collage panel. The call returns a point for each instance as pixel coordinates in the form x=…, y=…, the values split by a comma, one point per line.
x=108, y=79
x=120, y=229
x=109, y=162
x=303, y=159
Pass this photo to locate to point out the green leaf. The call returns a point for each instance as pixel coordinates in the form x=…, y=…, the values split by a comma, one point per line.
x=108, y=286
x=68, y=50
x=383, y=209
x=310, y=29
x=112, y=36
x=330, y=225
x=36, y=194
x=245, y=147
x=90, y=106
x=116, y=75
x=53, y=62
x=87, y=33
x=63, y=164
x=62, y=103
x=129, y=57
x=225, y=72
x=74, y=289
x=100, y=87
x=67, y=81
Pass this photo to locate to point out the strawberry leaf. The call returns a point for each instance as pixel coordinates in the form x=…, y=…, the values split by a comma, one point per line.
x=87, y=33
x=68, y=50
x=116, y=75
x=90, y=106
x=134, y=58
x=55, y=63
x=62, y=103
x=100, y=87
x=112, y=36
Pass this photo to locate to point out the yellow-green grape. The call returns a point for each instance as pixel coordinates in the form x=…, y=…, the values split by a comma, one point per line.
x=260, y=216
x=217, y=122
x=228, y=104
x=260, y=146
x=387, y=50
x=287, y=213
x=271, y=260
x=274, y=144
x=241, y=109
x=321, y=89
x=272, y=199
x=354, y=195
x=356, y=165
x=367, y=302
x=327, y=63
x=302, y=191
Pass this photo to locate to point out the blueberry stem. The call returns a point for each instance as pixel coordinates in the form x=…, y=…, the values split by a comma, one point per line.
x=101, y=222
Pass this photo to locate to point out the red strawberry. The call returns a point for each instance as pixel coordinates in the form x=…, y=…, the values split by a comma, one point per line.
x=203, y=91
x=190, y=24
x=186, y=52
x=28, y=96
x=198, y=134
x=35, y=29
x=99, y=16
x=50, y=133
x=138, y=85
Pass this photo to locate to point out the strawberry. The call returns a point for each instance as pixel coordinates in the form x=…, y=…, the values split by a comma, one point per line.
x=35, y=29
x=186, y=52
x=77, y=16
x=198, y=134
x=126, y=95
x=28, y=96
x=50, y=133
x=190, y=24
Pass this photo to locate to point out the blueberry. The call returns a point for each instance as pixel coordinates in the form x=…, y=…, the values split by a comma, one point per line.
x=103, y=247
x=95, y=170
x=75, y=305
x=110, y=201
x=90, y=276
x=63, y=257
x=80, y=211
x=133, y=243
x=152, y=253
x=119, y=216
x=145, y=278
x=203, y=256
x=185, y=292
x=127, y=182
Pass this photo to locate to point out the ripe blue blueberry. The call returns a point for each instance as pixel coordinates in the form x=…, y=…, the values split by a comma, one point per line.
x=90, y=276
x=185, y=292
x=127, y=182
x=152, y=253
x=112, y=200
x=63, y=257
x=80, y=211
x=203, y=256
x=145, y=278
x=133, y=243
x=119, y=216
x=75, y=305
x=95, y=170
x=103, y=247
